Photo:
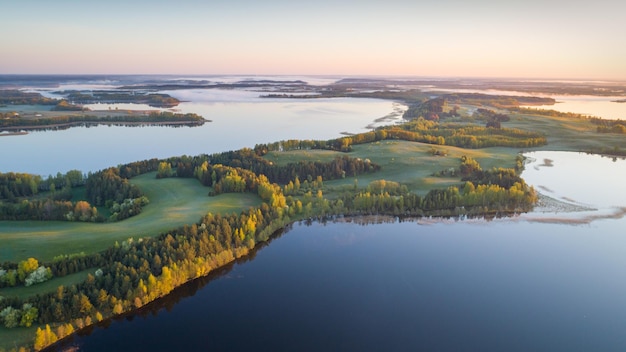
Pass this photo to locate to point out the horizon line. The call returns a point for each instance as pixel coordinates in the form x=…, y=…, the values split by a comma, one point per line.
x=394, y=76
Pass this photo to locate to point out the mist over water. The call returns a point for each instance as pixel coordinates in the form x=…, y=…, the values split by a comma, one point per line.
x=544, y=281
x=238, y=119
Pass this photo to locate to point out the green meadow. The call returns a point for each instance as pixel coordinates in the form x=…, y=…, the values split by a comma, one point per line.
x=173, y=202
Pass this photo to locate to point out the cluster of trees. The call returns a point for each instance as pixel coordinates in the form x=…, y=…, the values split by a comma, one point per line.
x=615, y=151
x=135, y=272
x=497, y=101
x=609, y=126
x=492, y=118
x=108, y=188
x=439, y=108
x=153, y=99
x=471, y=200
x=549, y=112
x=49, y=209
x=18, y=201
x=15, y=185
x=432, y=110
x=154, y=117
x=424, y=131
x=244, y=160
x=8, y=114
x=452, y=134
x=64, y=105
x=18, y=97
x=27, y=272
x=484, y=192
x=13, y=317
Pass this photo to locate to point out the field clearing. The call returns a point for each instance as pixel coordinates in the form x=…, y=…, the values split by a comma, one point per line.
x=48, y=286
x=173, y=202
x=409, y=163
x=566, y=133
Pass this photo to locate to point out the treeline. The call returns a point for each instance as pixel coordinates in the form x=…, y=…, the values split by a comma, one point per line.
x=251, y=160
x=14, y=185
x=484, y=192
x=18, y=97
x=432, y=110
x=103, y=188
x=602, y=125
x=154, y=117
x=27, y=272
x=497, y=101
x=609, y=126
x=423, y=131
x=492, y=118
x=108, y=188
x=64, y=105
x=549, y=112
x=49, y=209
x=447, y=105
x=452, y=134
x=153, y=99
x=135, y=272
x=20, y=198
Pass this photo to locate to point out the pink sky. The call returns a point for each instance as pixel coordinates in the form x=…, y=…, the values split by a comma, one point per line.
x=528, y=39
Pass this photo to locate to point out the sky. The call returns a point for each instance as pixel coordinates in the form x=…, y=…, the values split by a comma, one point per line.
x=444, y=38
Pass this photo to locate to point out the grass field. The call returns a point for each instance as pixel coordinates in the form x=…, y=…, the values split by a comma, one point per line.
x=173, y=202
x=567, y=134
x=408, y=163
x=48, y=286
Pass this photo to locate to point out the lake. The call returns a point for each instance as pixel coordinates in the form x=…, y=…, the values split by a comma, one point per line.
x=548, y=280
x=604, y=107
x=536, y=282
x=239, y=119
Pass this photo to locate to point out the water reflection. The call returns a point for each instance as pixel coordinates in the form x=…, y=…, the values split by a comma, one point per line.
x=234, y=125
x=379, y=283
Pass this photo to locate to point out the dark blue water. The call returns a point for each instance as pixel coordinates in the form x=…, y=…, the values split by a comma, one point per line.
x=457, y=286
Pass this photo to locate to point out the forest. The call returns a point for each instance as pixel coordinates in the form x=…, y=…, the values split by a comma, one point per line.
x=136, y=271
x=15, y=122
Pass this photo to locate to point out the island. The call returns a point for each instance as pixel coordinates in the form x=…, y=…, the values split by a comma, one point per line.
x=94, y=246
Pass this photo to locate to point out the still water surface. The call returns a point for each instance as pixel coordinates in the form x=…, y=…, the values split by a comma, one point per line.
x=239, y=119
x=444, y=285
x=535, y=282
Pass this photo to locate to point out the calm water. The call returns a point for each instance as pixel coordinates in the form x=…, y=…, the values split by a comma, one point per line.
x=603, y=107
x=599, y=106
x=239, y=119
x=549, y=280
x=508, y=284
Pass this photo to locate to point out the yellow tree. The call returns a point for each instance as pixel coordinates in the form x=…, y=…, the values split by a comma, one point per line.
x=26, y=267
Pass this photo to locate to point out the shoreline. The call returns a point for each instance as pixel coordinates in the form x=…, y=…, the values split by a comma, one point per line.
x=80, y=123
x=544, y=204
x=21, y=133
